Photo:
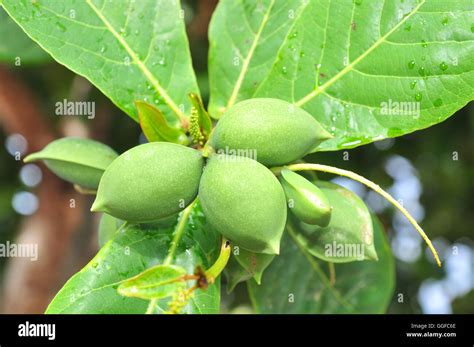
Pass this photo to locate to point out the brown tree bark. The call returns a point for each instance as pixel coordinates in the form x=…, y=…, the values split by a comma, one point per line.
x=28, y=286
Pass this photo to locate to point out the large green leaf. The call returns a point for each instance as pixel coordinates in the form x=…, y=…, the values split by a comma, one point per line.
x=342, y=60
x=16, y=44
x=359, y=287
x=131, y=50
x=134, y=249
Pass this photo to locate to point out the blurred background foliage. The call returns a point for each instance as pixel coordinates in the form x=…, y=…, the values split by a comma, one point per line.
x=431, y=172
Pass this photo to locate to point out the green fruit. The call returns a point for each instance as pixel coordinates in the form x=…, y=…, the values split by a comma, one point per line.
x=244, y=201
x=306, y=201
x=76, y=160
x=276, y=131
x=150, y=182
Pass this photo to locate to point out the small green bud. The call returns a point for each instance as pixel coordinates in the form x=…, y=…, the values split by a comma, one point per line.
x=305, y=200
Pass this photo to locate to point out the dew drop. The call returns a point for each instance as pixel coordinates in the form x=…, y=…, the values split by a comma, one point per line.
x=358, y=2
x=413, y=84
x=438, y=102
x=301, y=54
x=472, y=28
x=445, y=21
x=284, y=70
x=424, y=44
x=422, y=71
x=418, y=96
x=443, y=66
x=411, y=64
x=408, y=28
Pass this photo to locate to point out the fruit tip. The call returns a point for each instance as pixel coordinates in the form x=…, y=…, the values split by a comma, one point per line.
x=97, y=206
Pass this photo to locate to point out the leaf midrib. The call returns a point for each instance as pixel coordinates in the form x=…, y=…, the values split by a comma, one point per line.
x=350, y=66
x=155, y=83
x=247, y=60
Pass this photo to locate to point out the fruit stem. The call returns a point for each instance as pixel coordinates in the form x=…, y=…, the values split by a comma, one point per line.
x=370, y=184
x=215, y=270
x=179, y=232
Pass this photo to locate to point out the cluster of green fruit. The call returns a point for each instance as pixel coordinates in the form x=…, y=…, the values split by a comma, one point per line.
x=240, y=196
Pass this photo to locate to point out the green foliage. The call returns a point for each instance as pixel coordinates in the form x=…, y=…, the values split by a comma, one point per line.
x=245, y=265
x=158, y=282
x=358, y=287
x=108, y=225
x=16, y=48
x=134, y=249
x=156, y=127
x=293, y=77
x=343, y=61
x=128, y=49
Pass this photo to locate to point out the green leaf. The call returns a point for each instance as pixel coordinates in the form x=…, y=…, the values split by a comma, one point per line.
x=254, y=263
x=235, y=274
x=296, y=282
x=134, y=249
x=158, y=282
x=244, y=265
x=131, y=50
x=15, y=44
x=108, y=225
x=156, y=127
x=349, y=235
x=346, y=62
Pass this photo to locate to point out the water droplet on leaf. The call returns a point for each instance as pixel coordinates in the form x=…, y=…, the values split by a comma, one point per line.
x=443, y=66
x=422, y=71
